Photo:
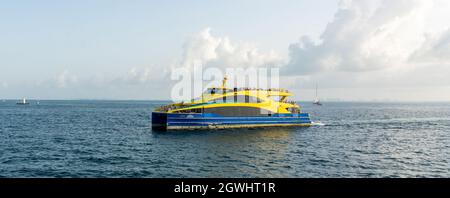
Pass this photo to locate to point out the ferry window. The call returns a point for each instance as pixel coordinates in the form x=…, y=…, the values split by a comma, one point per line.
x=254, y=100
x=275, y=98
x=214, y=91
x=224, y=99
x=241, y=99
x=238, y=99
x=293, y=110
x=246, y=99
x=197, y=110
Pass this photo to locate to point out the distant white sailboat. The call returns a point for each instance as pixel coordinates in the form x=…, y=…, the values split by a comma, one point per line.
x=317, y=101
x=23, y=102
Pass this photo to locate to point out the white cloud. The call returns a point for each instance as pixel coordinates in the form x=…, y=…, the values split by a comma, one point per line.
x=390, y=43
x=65, y=79
x=208, y=50
x=372, y=35
x=435, y=49
x=144, y=75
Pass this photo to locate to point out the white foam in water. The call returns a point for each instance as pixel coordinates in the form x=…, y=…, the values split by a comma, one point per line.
x=317, y=123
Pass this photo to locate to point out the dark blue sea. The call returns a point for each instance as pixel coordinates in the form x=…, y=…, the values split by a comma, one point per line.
x=114, y=139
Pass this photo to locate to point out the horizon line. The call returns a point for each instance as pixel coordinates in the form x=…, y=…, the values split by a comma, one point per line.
x=337, y=100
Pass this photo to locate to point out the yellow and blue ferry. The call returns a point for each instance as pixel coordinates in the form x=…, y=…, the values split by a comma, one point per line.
x=221, y=107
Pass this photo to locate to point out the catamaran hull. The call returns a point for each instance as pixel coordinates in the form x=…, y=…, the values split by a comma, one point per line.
x=174, y=121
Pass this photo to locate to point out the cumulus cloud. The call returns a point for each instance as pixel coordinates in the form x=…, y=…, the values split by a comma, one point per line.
x=144, y=75
x=208, y=50
x=435, y=49
x=391, y=43
x=371, y=35
x=65, y=79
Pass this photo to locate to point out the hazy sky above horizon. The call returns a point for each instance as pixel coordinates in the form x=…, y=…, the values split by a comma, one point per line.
x=105, y=49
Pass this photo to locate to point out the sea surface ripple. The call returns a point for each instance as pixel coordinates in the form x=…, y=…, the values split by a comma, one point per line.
x=114, y=139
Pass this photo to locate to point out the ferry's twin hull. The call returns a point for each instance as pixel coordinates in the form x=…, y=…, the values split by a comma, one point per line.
x=171, y=121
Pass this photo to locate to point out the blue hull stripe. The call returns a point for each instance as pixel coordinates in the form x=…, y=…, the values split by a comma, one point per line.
x=167, y=119
x=240, y=123
x=211, y=115
x=237, y=121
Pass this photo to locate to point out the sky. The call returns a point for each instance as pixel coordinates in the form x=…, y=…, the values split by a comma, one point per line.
x=373, y=50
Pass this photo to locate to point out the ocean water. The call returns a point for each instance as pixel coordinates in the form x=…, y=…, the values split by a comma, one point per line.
x=114, y=139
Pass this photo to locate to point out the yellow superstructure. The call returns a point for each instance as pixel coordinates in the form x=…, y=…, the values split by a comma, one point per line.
x=271, y=100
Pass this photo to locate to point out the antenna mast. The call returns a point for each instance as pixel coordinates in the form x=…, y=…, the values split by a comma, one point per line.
x=224, y=82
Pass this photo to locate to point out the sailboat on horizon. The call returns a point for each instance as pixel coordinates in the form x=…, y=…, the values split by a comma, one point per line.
x=23, y=102
x=317, y=101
